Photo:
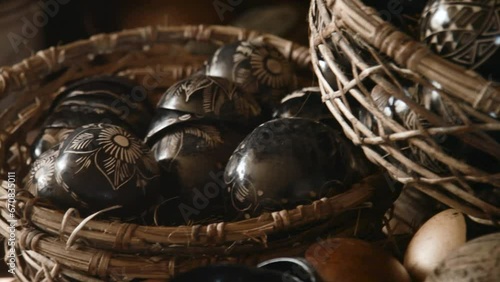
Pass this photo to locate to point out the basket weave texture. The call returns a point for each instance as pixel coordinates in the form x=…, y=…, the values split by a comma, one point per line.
x=385, y=60
x=58, y=246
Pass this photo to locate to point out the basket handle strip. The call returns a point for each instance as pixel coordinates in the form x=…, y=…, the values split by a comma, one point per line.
x=477, y=142
x=456, y=80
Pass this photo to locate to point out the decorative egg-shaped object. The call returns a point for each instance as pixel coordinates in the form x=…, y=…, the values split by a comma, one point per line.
x=163, y=119
x=439, y=236
x=258, y=68
x=193, y=157
x=477, y=260
x=48, y=138
x=286, y=162
x=42, y=181
x=103, y=165
x=295, y=266
x=73, y=116
x=65, y=119
x=464, y=32
x=123, y=89
x=210, y=97
x=233, y=273
x=117, y=95
x=353, y=260
x=306, y=103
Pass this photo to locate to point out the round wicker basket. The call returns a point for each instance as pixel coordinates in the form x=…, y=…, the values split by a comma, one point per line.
x=389, y=60
x=51, y=245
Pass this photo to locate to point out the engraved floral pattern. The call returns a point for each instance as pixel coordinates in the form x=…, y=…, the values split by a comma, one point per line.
x=114, y=152
x=42, y=171
x=267, y=65
x=119, y=145
x=206, y=95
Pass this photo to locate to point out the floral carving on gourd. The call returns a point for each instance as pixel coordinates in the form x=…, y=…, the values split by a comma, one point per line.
x=42, y=171
x=115, y=153
x=216, y=93
x=267, y=65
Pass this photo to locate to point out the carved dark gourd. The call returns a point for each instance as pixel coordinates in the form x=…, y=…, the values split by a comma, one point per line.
x=289, y=161
x=306, y=103
x=198, y=124
x=464, y=32
x=210, y=98
x=96, y=167
x=193, y=157
x=257, y=68
x=101, y=99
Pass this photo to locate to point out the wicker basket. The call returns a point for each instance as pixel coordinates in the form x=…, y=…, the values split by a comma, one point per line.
x=381, y=56
x=55, y=246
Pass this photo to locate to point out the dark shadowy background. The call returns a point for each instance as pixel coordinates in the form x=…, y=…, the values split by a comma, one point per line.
x=27, y=26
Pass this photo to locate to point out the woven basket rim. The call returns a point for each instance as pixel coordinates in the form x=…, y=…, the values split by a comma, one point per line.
x=123, y=236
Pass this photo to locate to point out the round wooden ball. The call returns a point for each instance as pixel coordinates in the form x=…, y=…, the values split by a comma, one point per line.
x=353, y=260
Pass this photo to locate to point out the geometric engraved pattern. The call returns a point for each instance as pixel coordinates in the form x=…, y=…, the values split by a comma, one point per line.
x=466, y=32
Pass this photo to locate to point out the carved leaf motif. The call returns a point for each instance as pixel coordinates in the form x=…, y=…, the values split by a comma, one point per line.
x=195, y=84
x=81, y=141
x=84, y=162
x=213, y=99
x=247, y=106
x=243, y=51
x=117, y=172
x=208, y=133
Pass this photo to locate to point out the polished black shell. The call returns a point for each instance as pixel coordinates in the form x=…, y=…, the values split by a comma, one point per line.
x=210, y=97
x=119, y=88
x=42, y=181
x=464, y=32
x=117, y=95
x=103, y=165
x=194, y=156
x=306, y=103
x=47, y=139
x=65, y=119
x=258, y=68
x=289, y=161
x=298, y=267
x=164, y=119
x=233, y=273
x=73, y=116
